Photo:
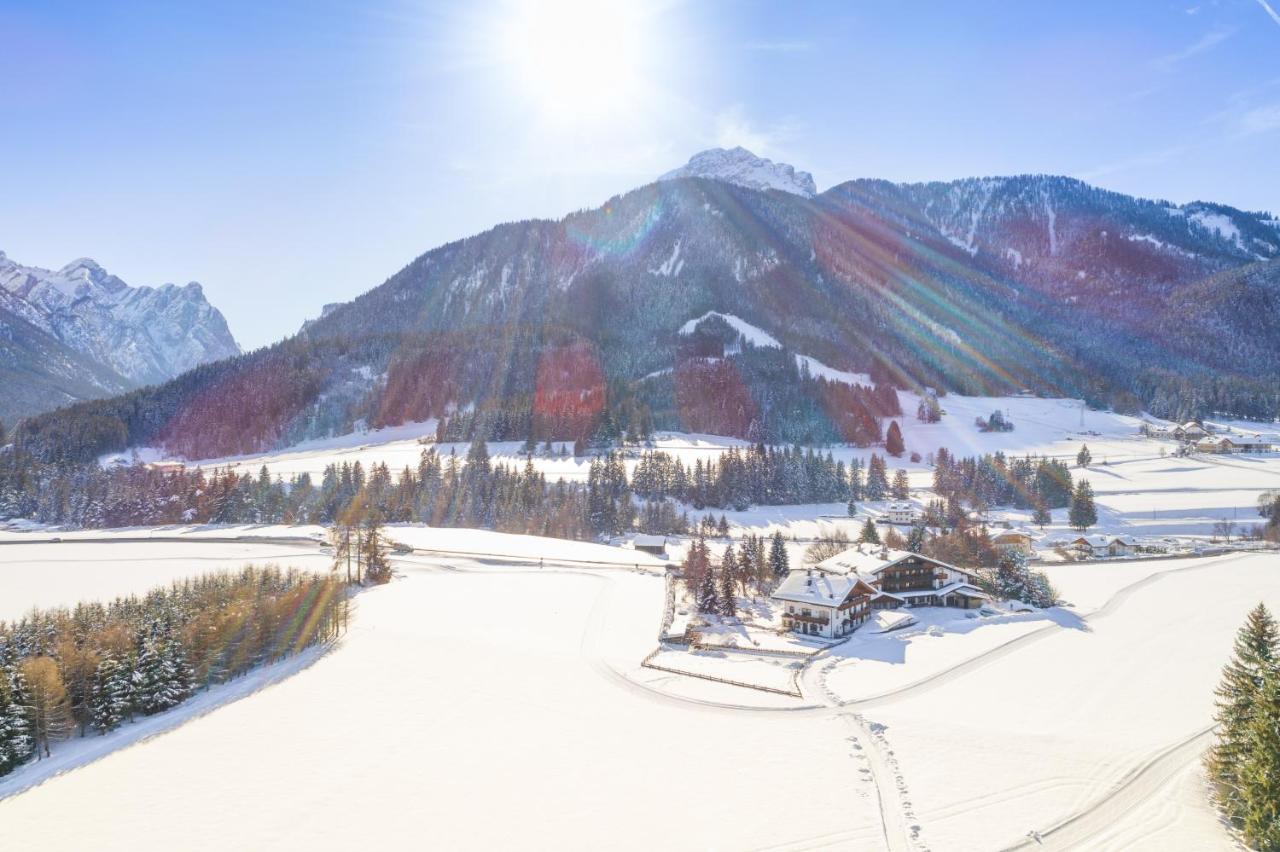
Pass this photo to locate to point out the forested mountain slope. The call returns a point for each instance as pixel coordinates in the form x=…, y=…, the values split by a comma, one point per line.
x=570, y=328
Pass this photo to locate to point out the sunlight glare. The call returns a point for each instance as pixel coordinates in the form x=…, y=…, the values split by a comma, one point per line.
x=575, y=60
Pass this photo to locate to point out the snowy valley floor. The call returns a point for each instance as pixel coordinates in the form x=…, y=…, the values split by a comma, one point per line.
x=482, y=705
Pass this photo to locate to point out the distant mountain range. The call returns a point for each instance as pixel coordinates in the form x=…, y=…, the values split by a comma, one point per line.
x=80, y=332
x=988, y=285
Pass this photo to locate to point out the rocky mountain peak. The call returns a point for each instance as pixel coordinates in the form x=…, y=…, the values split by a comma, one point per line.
x=743, y=168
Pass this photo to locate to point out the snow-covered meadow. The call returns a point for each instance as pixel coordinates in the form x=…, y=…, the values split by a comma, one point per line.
x=1141, y=487
x=482, y=683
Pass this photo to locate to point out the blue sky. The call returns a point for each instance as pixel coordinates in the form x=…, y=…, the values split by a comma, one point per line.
x=296, y=153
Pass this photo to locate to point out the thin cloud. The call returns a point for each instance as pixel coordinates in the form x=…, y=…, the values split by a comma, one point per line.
x=1275, y=16
x=1262, y=119
x=732, y=128
x=1249, y=112
x=1207, y=42
x=1143, y=160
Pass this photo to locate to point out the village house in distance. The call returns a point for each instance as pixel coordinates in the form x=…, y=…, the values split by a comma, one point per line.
x=834, y=597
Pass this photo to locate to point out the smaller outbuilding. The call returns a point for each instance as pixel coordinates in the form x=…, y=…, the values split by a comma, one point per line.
x=654, y=544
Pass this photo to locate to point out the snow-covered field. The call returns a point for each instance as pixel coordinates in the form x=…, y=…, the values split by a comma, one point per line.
x=465, y=711
x=1047, y=732
x=63, y=573
x=468, y=688
x=1142, y=489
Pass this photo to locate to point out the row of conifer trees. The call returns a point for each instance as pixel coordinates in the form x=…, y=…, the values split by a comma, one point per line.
x=95, y=667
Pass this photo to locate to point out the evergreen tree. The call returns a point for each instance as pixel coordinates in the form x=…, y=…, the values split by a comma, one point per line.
x=1040, y=515
x=893, y=443
x=377, y=567
x=1258, y=774
x=17, y=740
x=877, y=479
x=1013, y=580
x=901, y=490
x=869, y=534
x=779, y=564
x=1082, y=513
x=110, y=694
x=1084, y=456
x=708, y=597
x=916, y=538
x=852, y=508
x=728, y=576
x=1256, y=656
x=148, y=678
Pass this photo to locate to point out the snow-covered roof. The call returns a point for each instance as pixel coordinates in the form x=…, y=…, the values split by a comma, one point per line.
x=960, y=587
x=645, y=540
x=901, y=507
x=1017, y=531
x=819, y=587
x=870, y=560
x=1104, y=540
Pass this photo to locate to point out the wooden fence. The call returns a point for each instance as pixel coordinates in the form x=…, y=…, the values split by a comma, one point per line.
x=794, y=692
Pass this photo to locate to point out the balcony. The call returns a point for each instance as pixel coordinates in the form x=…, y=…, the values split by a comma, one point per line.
x=810, y=619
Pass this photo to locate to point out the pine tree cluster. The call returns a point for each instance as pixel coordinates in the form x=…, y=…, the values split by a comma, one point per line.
x=440, y=490
x=758, y=565
x=99, y=666
x=995, y=480
x=1244, y=763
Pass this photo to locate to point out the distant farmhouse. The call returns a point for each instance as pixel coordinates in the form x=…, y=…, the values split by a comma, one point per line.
x=1191, y=431
x=1201, y=438
x=1013, y=541
x=901, y=513
x=834, y=597
x=1105, y=545
x=1238, y=444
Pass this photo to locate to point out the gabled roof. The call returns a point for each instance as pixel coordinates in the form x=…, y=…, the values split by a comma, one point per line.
x=960, y=587
x=1013, y=532
x=870, y=560
x=1105, y=540
x=645, y=540
x=821, y=588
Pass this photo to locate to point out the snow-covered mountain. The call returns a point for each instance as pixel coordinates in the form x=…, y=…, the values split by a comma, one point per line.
x=980, y=286
x=134, y=335
x=740, y=166
x=146, y=334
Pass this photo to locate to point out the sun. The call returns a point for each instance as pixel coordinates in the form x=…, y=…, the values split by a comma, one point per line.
x=576, y=60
